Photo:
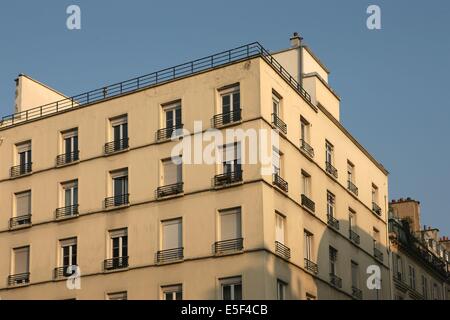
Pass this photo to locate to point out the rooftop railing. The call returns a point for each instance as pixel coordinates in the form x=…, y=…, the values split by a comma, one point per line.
x=224, y=58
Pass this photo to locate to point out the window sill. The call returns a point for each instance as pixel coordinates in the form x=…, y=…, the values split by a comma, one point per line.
x=116, y=152
x=21, y=176
x=16, y=228
x=177, y=195
x=123, y=206
x=67, y=164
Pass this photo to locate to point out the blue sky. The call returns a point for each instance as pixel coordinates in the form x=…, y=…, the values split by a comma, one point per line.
x=392, y=82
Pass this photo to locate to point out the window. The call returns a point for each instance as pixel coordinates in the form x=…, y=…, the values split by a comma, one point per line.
x=308, y=238
x=276, y=161
x=355, y=274
x=374, y=194
x=425, y=287
x=351, y=219
x=23, y=154
x=304, y=130
x=172, y=115
x=118, y=296
x=174, y=292
x=376, y=237
x=70, y=145
x=329, y=153
x=231, y=158
x=281, y=290
x=172, y=171
x=119, y=134
x=119, y=246
x=21, y=261
x=412, y=277
x=231, y=288
x=276, y=103
x=333, y=260
x=172, y=234
x=231, y=104
x=435, y=292
x=70, y=193
x=120, y=187
x=330, y=204
x=280, y=225
x=306, y=184
x=23, y=204
x=398, y=267
x=230, y=224
x=350, y=172
x=68, y=255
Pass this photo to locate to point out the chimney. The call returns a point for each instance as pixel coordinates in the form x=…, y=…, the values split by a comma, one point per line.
x=296, y=40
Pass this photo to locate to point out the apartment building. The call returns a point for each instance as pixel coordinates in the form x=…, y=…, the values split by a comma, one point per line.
x=90, y=191
x=420, y=258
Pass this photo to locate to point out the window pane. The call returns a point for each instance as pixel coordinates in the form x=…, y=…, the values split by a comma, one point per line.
x=237, y=292
x=226, y=292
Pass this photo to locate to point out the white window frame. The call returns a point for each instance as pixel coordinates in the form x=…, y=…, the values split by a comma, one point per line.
x=232, y=282
x=173, y=290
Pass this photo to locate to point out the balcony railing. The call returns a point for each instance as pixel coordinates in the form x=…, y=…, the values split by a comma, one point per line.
x=117, y=201
x=282, y=250
x=311, y=266
x=67, y=158
x=18, y=279
x=356, y=293
x=279, y=182
x=378, y=254
x=231, y=245
x=67, y=212
x=351, y=186
x=335, y=280
x=116, y=146
x=305, y=147
x=20, y=221
x=376, y=208
x=331, y=170
x=278, y=123
x=224, y=179
x=170, y=255
x=354, y=236
x=223, y=119
x=115, y=263
x=332, y=222
x=20, y=170
x=308, y=203
x=169, y=190
x=63, y=272
x=168, y=133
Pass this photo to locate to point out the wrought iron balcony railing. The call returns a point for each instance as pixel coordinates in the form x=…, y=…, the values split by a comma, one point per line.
x=354, y=236
x=278, y=123
x=20, y=170
x=117, y=201
x=226, y=246
x=63, y=272
x=223, y=119
x=18, y=279
x=356, y=293
x=170, y=255
x=335, y=280
x=351, y=186
x=224, y=179
x=280, y=182
x=376, y=208
x=305, y=147
x=67, y=158
x=311, y=266
x=20, y=221
x=169, y=190
x=116, y=146
x=116, y=263
x=331, y=170
x=168, y=133
x=308, y=203
x=332, y=222
x=378, y=254
x=67, y=212
x=282, y=250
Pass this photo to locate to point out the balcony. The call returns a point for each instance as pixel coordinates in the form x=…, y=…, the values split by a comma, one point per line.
x=223, y=119
x=376, y=208
x=332, y=222
x=279, y=182
x=356, y=293
x=169, y=190
x=282, y=250
x=169, y=133
x=354, y=236
x=306, y=148
x=21, y=170
x=117, y=201
x=279, y=124
x=170, y=255
x=67, y=212
x=67, y=158
x=351, y=187
x=331, y=170
x=228, y=178
x=311, y=266
x=116, y=146
x=335, y=280
x=18, y=279
x=19, y=222
x=115, y=263
x=378, y=254
x=308, y=203
x=63, y=272
x=228, y=246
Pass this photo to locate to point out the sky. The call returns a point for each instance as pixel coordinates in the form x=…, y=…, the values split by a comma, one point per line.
x=392, y=82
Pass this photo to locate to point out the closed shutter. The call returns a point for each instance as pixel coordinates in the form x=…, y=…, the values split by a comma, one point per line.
x=172, y=172
x=172, y=234
x=21, y=260
x=23, y=204
x=230, y=224
x=279, y=228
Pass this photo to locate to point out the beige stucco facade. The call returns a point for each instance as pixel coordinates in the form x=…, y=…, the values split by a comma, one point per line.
x=200, y=271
